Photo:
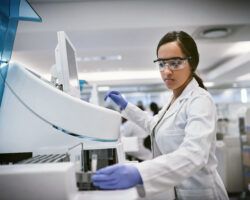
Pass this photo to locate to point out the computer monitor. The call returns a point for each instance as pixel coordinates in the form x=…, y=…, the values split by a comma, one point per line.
x=66, y=65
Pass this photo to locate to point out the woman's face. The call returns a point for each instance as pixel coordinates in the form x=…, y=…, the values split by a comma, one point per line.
x=174, y=79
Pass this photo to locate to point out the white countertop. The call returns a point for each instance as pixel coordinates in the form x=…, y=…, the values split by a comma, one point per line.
x=128, y=194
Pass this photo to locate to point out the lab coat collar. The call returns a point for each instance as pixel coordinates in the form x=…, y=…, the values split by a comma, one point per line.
x=184, y=95
x=192, y=85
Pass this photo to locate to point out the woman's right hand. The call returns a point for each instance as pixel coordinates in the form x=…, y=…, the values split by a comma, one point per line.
x=117, y=98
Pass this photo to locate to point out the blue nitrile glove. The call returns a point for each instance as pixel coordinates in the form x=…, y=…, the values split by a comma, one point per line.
x=119, y=176
x=117, y=98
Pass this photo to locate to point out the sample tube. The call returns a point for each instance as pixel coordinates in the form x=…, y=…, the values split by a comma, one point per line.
x=93, y=163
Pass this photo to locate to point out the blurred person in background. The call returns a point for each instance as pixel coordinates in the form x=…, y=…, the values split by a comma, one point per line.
x=130, y=129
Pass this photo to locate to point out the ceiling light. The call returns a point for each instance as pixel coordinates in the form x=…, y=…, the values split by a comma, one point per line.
x=245, y=77
x=243, y=94
x=213, y=33
x=228, y=66
x=99, y=58
x=239, y=48
x=209, y=84
x=119, y=75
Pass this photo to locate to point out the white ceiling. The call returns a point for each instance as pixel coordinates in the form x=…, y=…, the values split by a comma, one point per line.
x=132, y=29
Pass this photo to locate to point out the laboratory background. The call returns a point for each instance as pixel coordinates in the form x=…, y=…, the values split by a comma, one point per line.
x=59, y=58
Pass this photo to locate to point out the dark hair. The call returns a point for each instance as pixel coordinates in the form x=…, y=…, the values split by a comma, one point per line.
x=140, y=105
x=154, y=108
x=188, y=47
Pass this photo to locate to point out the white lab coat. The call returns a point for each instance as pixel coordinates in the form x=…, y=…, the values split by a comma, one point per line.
x=130, y=129
x=183, y=146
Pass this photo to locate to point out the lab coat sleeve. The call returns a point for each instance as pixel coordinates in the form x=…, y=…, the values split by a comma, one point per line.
x=126, y=130
x=130, y=129
x=171, y=169
x=139, y=117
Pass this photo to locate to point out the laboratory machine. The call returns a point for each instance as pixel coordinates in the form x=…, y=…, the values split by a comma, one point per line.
x=51, y=141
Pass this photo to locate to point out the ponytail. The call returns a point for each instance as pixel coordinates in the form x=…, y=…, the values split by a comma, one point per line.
x=199, y=80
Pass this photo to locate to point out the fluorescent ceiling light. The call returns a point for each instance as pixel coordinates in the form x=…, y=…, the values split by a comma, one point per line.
x=232, y=64
x=99, y=58
x=239, y=48
x=243, y=94
x=127, y=77
x=245, y=77
x=241, y=51
x=209, y=84
x=119, y=75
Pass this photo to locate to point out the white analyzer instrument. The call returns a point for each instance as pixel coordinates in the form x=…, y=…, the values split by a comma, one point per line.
x=50, y=140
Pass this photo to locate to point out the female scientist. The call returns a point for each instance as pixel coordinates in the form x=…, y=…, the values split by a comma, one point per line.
x=183, y=133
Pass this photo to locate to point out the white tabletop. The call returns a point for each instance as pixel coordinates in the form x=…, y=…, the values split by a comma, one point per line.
x=128, y=194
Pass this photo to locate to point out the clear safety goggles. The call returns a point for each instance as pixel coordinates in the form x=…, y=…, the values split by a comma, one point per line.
x=173, y=64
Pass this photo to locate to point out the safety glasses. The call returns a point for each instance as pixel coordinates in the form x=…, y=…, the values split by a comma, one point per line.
x=173, y=64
